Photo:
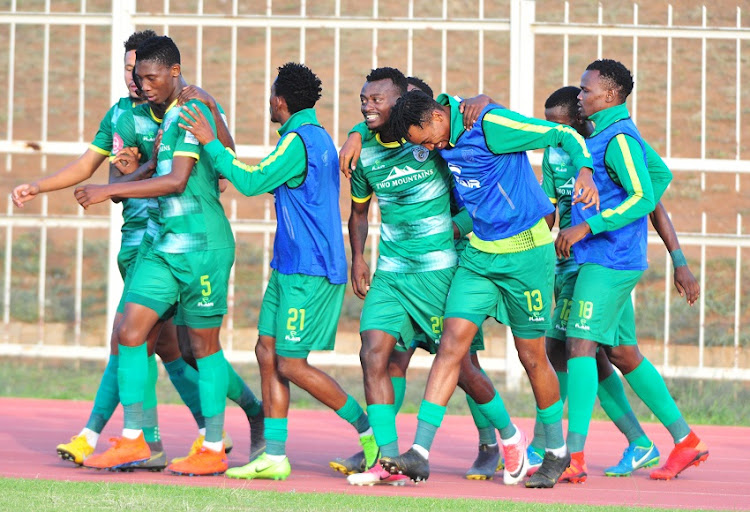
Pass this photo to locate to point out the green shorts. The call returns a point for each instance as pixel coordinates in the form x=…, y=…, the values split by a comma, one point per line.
x=142, y=250
x=301, y=312
x=600, y=310
x=404, y=305
x=564, y=285
x=514, y=288
x=197, y=280
x=126, y=259
x=425, y=343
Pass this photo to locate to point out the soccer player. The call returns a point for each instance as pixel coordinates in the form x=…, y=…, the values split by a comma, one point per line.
x=507, y=269
x=137, y=129
x=558, y=175
x=610, y=249
x=189, y=263
x=133, y=229
x=405, y=300
x=302, y=303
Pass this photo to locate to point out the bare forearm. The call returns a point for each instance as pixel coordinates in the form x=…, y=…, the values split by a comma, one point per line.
x=663, y=226
x=358, y=228
x=154, y=187
x=74, y=173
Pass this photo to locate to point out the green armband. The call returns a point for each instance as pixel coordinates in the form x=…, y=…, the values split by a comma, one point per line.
x=678, y=259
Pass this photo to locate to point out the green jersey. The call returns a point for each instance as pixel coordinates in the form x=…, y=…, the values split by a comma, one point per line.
x=413, y=189
x=193, y=220
x=106, y=143
x=137, y=127
x=558, y=178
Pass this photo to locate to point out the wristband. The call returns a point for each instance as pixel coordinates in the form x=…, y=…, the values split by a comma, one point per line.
x=678, y=259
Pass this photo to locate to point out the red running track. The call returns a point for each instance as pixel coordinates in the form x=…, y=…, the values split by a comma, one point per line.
x=30, y=430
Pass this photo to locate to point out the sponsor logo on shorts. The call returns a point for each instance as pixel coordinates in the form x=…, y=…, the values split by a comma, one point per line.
x=292, y=336
x=582, y=326
x=205, y=302
x=561, y=327
x=536, y=319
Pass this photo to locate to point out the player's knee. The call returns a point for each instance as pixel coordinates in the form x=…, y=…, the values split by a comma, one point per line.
x=289, y=368
x=373, y=357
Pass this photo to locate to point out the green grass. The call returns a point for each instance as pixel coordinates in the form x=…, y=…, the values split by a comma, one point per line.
x=701, y=402
x=32, y=495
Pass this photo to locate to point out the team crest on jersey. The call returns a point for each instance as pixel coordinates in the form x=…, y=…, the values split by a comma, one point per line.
x=420, y=153
x=117, y=143
x=468, y=155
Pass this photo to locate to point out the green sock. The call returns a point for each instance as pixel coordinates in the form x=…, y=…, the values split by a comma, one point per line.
x=612, y=398
x=132, y=372
x=399, y=391
x=275, y=430
x=582, y=384
x=150, y=416
x=539, y=442
x=107, y=397
x=239, y=393
x=383, y=422
x=185, y=380
x=428, y=421
x=495, y=412
x=353, y=413
x=551, y=420
x=650, y=387
x=212, y=384
x=484, y=427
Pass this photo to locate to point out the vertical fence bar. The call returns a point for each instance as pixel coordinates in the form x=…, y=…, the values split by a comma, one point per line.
x=267, y=81
x=444, y=51
x=738, y=100
x=266, y=246
x=42, y=289
x=11, y=82
x=230, y=287
x=233, y=115
x=410, y=42
x=374, y=35
x=600, y=21
x=7, y=271
x=668, y=135
x=303, y=33
x=165, y=28
x=122, y=27
x=703, y=99
x=199, y=48
x=635, y=66
x=667, y=306
x=737, y=295
x=336, y=75
x=79, y=281
x=566, y=47
x=81, y=74
x=522, y=14
x=480, y=48
x=702, y=310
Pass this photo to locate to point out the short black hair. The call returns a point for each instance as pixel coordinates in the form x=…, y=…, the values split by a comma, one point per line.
x=299, y=86
x=566, y=97
x=421, y=85
x=392, y=74
x=160, y=49
x=136, y=38
x=616, y=74
x=412, y=109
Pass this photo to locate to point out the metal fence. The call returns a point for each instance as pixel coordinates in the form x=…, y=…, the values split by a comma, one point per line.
x=515, y=51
